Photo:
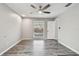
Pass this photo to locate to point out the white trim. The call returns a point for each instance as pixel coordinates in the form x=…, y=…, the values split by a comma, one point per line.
x=10, y=47
x=27, y=38
x=69, y=47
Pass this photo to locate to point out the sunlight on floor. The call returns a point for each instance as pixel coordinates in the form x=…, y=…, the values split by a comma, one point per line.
x=38, y=47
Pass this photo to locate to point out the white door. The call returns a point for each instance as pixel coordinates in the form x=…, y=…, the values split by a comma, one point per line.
x=50, y=29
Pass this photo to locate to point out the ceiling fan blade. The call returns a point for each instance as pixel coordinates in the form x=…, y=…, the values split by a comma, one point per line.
x=67, y=5
x=48, y=5
x=46, y=12
x=33, y=6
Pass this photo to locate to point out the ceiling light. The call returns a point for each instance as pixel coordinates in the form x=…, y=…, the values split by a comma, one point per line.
x=39, y=12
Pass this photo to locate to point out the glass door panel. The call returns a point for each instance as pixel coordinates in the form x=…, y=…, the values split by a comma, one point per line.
x=38, y=29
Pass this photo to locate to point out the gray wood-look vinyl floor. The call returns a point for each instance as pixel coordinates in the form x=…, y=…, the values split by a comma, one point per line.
x=39, y=48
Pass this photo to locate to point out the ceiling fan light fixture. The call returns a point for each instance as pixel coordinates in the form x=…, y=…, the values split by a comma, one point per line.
x=40, y=12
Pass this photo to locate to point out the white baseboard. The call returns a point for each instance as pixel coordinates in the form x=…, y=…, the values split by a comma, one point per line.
x=27, y=38
x=69, y=47
x=10, y=47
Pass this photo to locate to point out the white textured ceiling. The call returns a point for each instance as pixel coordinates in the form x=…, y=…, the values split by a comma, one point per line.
x=24, y=9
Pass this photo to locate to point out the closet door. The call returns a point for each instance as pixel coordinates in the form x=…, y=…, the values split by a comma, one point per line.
x=50, y=29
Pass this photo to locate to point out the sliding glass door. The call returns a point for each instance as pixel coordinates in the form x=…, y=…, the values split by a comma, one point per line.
x=38, y=29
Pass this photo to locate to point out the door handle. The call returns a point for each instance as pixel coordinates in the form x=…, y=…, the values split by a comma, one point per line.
x=59, y=27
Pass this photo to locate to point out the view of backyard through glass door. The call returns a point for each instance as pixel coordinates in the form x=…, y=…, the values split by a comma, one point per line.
x=38, y=29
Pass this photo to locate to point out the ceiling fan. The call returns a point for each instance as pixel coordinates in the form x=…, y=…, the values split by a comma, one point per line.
x=68, y=4
x=41, y=9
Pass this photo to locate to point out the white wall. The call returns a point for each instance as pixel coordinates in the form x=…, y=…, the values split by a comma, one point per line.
x=10, y=26
x=27, y=29
x=69, y=32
